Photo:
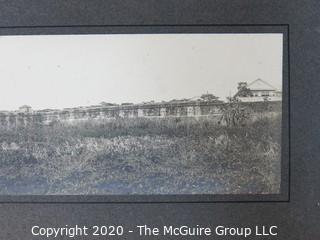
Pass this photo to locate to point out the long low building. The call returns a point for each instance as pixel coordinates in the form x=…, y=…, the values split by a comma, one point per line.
x=151, y=110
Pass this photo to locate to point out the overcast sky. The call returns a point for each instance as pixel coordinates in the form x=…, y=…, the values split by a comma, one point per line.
x=58, y=71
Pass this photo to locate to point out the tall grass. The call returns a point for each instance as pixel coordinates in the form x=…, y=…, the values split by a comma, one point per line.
x=142, y=156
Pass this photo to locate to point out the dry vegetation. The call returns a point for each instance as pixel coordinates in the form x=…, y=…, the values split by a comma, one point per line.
x=142, y=156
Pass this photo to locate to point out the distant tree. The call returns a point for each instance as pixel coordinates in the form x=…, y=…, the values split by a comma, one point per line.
x=126, y=103
x=179, y=100
x=243, y=90
x=208, y=97
x=150, y=102
x=107, y=104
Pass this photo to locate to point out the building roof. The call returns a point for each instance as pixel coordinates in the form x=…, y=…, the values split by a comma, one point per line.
x=260, y=85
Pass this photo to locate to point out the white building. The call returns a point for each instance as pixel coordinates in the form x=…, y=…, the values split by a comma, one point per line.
x=258, y=91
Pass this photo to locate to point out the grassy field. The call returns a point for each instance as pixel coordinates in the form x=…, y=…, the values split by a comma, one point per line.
x=142, y=156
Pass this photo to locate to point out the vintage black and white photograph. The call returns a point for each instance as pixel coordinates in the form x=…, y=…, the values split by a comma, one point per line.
x=129, y=114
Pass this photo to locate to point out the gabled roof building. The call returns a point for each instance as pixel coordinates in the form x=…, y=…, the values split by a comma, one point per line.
x=258, y=91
